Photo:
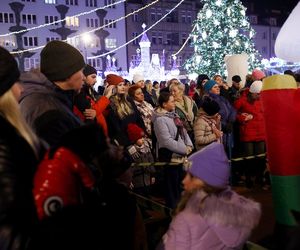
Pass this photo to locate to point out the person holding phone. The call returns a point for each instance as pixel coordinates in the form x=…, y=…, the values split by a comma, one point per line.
x=88, y=105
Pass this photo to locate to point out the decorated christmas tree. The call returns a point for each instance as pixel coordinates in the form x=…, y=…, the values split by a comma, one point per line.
x=221, y=29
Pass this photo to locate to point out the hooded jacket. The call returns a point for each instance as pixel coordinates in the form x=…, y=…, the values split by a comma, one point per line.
x=166, y=130
x=47, y=108
x=225, y=221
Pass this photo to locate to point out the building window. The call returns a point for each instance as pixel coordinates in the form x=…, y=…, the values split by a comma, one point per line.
x=111, y=25
x=158, y=14
x=179, y=61
x=31, y=63
x=134, y=16
x=153, y=14
x=48, y=39
x=253, y=19
x=153, y=37
x=8, y=41
x=96, y=63
x=169, y=39
x=135, y=42
x=51, y=19
x=183, y=17
x=7, y=18
x=264, y=50
x=189, y=17
x=274, y=36
x=110, y=43
x=28, y=19
x=28, y=1
x=50, y=1
x=264, y=35
x=107, y=2
x=159, y=38
x=92, y=22
x=71, y=2
x=72, y=21
x=30, y=41
x=74, y=41
x=273, y=21
x=91, y=3
x=183, y=38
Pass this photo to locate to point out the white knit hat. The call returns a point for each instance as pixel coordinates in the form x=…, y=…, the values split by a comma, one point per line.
x=137, y=77
x=256, y=87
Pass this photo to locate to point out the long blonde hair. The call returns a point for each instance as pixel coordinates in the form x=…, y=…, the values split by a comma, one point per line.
x=121, y=105
x=9, y=109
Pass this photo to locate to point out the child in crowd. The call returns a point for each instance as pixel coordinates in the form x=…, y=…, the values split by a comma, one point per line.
x=141, y=175
x=210, y=215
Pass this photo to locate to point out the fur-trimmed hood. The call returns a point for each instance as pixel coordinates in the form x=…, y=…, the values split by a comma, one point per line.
x=229, y=215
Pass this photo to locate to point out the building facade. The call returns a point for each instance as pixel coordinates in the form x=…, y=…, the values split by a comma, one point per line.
x=168, y=35
x=24, y=14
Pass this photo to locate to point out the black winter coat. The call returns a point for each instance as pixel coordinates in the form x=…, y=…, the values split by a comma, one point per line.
x=17, y=166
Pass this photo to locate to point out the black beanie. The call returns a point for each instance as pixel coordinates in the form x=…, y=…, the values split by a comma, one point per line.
x=89, y=70
x=9, y=71
x=60, y=60
x=210, y=106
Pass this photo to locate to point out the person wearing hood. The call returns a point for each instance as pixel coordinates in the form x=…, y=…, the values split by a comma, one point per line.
x=207, y=126
x=210, y=215
x=173, y=143
x=47, y=99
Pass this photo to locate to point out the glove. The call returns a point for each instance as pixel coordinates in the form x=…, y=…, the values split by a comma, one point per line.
x=133, y=152
x=227, y=128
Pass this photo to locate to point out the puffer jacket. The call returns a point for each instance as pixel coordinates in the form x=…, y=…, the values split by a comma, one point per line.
x=254, y=129
x=225, y=221
x=166, y=130
x=17, y=166
x=203, y=129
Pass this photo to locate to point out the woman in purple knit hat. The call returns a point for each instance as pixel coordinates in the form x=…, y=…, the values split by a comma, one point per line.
x=210, y=215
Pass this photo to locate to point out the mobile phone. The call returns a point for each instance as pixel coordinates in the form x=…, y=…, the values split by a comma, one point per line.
x=114, y=91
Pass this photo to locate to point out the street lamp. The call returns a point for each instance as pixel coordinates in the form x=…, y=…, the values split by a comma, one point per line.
x=86, y=41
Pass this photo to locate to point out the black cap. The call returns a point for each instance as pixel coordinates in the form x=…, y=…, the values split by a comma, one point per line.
x=9, y=71
x=210, y=106
x=236, y=78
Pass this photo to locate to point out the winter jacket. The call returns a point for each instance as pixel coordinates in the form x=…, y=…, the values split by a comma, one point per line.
x=166, y=130
x=227, y=112
x=254, y=129
x=88, y=99
x=47, y=108
x=17, y=166
x=225, y=222
x=203, y=129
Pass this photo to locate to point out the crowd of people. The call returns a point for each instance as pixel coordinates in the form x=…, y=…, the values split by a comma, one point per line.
x=66, y=154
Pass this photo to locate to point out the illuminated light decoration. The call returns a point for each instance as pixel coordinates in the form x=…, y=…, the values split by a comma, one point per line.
x=146, y=30
x=208, y=13
x=99, y=28
x=219, y=3
x=233, y=33
x=226, y=32
x=216, y=45
x=62, y=20
x=216, y=22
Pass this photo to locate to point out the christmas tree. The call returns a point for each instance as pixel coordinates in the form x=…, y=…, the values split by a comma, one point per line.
x=221, y=29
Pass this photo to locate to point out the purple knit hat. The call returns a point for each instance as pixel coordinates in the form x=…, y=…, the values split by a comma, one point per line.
x=211, y=165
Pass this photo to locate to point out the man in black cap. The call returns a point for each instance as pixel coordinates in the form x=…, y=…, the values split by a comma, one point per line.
x=234, y=90
x=47, y=99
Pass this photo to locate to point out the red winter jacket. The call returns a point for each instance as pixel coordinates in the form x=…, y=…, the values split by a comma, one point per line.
x=58, y=181
x=254, y=129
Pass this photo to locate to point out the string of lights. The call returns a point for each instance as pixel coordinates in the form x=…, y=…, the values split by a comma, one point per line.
x=93, y=30
x=146, y=30
x=62, y=20
x=186, y=41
